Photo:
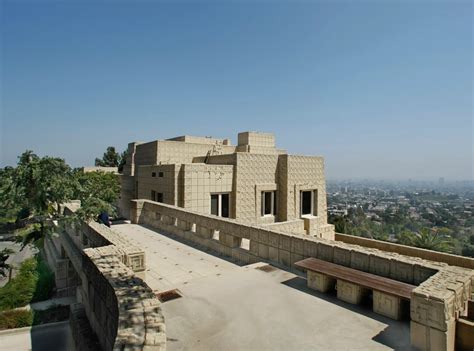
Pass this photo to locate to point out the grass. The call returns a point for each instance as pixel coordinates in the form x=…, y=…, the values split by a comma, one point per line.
x=34, y=282
x=22, y=318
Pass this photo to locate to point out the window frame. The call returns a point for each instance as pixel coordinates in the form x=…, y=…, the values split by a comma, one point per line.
x=264, y=195
x=219, y=204
x=313, y=199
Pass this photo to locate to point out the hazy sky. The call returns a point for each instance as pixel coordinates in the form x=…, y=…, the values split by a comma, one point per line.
x=381, y=89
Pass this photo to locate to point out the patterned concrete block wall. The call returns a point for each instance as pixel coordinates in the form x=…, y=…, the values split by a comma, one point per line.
x=438, y=301
x=294, y=227
x=183, y=152
x=202, y=180
x=160, y=179
x=254, y=174
x=146, y=153
x=121, y=309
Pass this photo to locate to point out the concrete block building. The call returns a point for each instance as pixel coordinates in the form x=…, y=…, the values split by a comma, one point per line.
x=252, y=182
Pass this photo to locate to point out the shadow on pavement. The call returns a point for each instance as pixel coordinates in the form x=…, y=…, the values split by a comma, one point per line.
x=396, y=335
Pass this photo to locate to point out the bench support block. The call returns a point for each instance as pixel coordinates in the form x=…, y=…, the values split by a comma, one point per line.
x=387, y=305
x=320, y=282
x=349, y=292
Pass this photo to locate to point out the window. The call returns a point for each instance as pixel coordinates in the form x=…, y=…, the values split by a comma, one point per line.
x=160, y=174
x=153, y=174
x=268, y=203
x=308, y=203
x=220, y=205
x=159, y=197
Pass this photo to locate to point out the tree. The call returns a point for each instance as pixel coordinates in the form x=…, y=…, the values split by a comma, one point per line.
x=426, y=239
x=98, y=191
x=37, y=187
x=111, y=158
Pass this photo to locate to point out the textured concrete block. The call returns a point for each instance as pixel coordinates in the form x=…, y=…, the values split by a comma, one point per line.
x=351, y=293
x=263, y=251
x=379, y=265
x=325, y=251
x=386, y=305
x=430, y=312
x=273, y=254
x=310, y=248
x=320, y=282
x=297, y=245
x=284, y=258
x=402, y=270
x=342, y=256
x=360, y=260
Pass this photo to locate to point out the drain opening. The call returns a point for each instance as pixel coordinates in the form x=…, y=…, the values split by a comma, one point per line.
x=169, y=295
x=267, y=268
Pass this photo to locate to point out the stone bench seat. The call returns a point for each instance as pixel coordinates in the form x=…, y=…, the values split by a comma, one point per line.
x=353, y=285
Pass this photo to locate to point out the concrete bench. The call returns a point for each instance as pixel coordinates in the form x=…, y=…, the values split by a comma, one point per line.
x=354, y=285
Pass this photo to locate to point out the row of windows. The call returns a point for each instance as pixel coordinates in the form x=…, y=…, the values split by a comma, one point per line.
x=220, y=203
x=160, y=174
x=308, y=203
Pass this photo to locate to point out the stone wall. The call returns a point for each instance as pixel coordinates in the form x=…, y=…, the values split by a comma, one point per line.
x=454, y=260
x=438, y=301
x=121, y=308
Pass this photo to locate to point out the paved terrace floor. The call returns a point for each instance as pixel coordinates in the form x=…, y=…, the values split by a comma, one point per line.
x=230, y=307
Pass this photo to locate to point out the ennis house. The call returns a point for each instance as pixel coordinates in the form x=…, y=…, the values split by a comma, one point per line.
x=252, y=182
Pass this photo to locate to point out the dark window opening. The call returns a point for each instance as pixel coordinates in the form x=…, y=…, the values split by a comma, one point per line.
x=153, y=174
x=160, y=174
x=225, y=205
x=306, y=205
x=159, y=197
x=215, y=205
x=153, y=195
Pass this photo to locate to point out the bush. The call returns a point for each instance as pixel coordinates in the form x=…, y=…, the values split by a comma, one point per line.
x=15, y=319
x=34, y=282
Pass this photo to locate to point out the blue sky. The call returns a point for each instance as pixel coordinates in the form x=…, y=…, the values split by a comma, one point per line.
x=381, y=89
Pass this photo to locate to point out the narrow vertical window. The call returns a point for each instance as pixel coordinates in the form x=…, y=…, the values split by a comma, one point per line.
x=225, y=205
x=306, y=203
x=268, y=203
x=215, y=204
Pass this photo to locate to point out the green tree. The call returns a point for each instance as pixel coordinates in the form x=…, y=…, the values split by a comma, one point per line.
x=111, y=158
x=426, y=239
x=98, y=191
x=37, y=186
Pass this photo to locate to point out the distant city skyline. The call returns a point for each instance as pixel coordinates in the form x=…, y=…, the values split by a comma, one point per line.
x=382, y=90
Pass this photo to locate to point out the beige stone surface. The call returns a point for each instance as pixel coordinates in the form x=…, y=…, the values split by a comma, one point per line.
x=349, y=292
x=320, y=282
x=386, y=305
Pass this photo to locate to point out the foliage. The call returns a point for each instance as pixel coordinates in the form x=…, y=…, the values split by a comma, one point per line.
x=4, y=266
x=427, y=239
x=111, y=158
x=97, y=192
x=34, y=282
x=41, y=184
x=24, y=318
x=16, y=319
x=33, y=191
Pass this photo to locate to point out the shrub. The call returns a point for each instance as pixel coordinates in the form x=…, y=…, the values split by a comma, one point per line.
x=15, y=319
x=34, y=282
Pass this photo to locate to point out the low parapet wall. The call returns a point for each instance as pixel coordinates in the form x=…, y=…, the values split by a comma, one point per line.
x=121, y=308
x=440, y=298
x=453, y=260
